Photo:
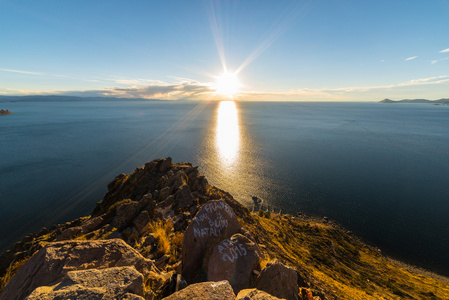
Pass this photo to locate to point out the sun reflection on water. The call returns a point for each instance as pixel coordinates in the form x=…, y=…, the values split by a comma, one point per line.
x=227, y=132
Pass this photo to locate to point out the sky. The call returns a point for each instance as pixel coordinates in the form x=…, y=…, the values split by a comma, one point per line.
x=328, y=50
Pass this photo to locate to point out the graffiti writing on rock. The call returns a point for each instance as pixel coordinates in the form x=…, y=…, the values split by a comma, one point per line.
x=230, y=250
x=211, y=227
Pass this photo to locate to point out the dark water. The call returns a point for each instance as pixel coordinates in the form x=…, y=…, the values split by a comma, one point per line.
x=381, y=170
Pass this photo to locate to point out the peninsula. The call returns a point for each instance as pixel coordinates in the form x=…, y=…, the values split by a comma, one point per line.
x=444, y=101
x=163, y=232
x=5, y=112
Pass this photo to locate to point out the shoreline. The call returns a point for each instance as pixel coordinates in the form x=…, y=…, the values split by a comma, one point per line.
x=5, y=112
x=158, y=206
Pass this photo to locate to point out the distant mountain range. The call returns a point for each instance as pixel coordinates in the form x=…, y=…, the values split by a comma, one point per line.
x=440, y=101
x=57, y=98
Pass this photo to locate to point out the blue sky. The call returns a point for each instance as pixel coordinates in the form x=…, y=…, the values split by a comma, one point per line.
x=284, y=50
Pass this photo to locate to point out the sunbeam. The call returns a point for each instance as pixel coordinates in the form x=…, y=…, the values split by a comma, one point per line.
x=216, y=33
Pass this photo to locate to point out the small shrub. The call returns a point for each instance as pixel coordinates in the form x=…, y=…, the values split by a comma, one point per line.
x=161, y=231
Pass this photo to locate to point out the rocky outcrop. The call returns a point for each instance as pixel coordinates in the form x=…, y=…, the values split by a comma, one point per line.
x=53, y=262
x=221, y=290
x=214, y=222
x=278, y=280
x=110, y=283
x=234, y=259
x=135, y=235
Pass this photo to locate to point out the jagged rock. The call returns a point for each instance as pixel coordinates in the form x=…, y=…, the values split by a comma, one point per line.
x=142, y=222
x=183, y=197
x=214, y=222
x=69, y=233
x=278, y=280
x=221, y=290
x=125, y=213
x=55, y=260
x=91, y=224
x=164, y=193
x=255, y=294
x=110, y=283
x=234, y=260
x=166, y=165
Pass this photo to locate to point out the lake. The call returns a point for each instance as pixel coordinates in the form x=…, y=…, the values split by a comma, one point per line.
x=380, y=170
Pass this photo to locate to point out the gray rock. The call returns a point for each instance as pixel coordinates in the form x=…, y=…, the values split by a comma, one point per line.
x=221, y=290
x=55, y=260
x=91, y=224
x=183, y=197
x=142, y=222
x=164, y=193
x=234, y=259
x=166, y=165
x=214, y=222
x=255, y=294
x=125, y=213
x=69, y=233
x=278, y=280
x=110, y=283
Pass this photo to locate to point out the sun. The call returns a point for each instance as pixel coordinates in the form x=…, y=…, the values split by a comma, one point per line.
x=227, y=84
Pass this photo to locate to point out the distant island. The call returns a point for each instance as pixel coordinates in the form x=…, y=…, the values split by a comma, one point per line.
x=444, y=101
x=5, y=112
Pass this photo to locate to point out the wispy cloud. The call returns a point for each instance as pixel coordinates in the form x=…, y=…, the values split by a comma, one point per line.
x=437, y=60
x=413, y=82
x=22, y=72
x=444, y=51
x=411, y=58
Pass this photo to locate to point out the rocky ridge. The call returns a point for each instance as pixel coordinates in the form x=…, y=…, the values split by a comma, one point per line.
x=165, y=232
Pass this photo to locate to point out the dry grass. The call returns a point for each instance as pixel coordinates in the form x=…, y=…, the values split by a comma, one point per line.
x=343, y=264
x=10, y=271
x=161, y=231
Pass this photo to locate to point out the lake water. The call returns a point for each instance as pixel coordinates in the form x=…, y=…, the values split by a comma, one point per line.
x=380, y=170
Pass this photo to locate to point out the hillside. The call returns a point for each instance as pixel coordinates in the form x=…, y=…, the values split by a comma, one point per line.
x=174, y=222
x=440, y=101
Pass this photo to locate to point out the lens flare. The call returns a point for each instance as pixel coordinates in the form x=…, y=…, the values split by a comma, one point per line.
x=227, y=85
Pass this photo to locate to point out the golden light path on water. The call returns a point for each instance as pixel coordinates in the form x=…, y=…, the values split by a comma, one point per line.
x=227, y=133
x=229, y=156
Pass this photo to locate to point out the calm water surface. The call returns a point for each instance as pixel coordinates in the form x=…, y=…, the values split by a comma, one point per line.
x=381, y=170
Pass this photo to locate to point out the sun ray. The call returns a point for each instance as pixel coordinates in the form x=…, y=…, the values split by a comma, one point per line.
x=216, y=33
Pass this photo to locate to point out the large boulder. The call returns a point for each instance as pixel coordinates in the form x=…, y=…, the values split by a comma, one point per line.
x=50, y=264
x=214, y=222
x=110, y=283
x=234, y=259
x=221, y=290
x=255, y=294
x=278, y=280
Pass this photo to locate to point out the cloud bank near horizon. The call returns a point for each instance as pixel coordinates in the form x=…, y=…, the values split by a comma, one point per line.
x=193, y=90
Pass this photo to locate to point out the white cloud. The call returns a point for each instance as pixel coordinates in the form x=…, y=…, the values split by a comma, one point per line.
x=189, y=90
x=444, y=51
x=411, y=58
x=22, y=72
x=434, y=62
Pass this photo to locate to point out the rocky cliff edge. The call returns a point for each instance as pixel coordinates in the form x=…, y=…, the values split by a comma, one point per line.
x=165, y=232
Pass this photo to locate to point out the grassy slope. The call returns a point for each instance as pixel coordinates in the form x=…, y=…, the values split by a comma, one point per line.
x=340, y=264
x=334, y=264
